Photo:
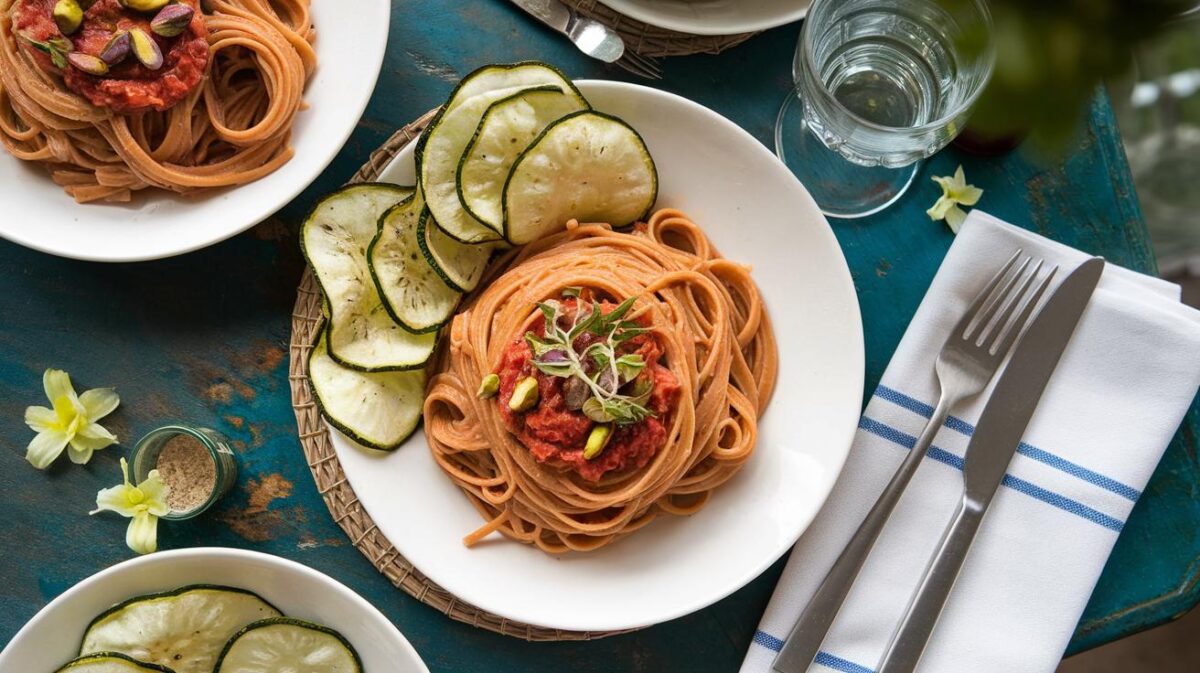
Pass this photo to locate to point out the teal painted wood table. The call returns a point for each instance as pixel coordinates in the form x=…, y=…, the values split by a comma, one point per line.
x=203, y=338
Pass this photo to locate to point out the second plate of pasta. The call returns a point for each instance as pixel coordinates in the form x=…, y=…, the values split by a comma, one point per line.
x=130, y=134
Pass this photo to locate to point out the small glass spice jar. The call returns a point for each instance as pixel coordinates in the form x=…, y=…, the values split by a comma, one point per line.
x=196, y=463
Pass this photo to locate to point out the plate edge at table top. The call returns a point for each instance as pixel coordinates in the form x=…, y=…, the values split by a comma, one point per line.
x=634, y=10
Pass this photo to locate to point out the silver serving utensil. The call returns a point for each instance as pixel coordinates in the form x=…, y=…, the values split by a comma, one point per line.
x=591, y=37
x=997, y=435
x=970, y=357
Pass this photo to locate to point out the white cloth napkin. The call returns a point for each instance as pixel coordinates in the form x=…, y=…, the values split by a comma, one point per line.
x=1120, y=391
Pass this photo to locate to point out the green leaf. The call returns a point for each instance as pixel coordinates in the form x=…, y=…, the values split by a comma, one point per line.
x=641, y=392
x=588, y=324
x=627, y=334
x=550, y=312
x=624, y=411
x=602, y=357
x=629, y=366
x=572, y=292
x=541, y=346
x=560, y=369
x=594, y=410
x=619, y=312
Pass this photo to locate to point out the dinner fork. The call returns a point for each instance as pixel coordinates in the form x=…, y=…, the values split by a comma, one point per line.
x=967, y=362
x=591, y=37
x=642, y=66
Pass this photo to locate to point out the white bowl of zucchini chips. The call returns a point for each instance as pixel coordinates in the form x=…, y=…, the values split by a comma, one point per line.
x=209, y=610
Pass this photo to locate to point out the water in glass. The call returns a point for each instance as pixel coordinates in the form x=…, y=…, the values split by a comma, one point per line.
x=887, y=82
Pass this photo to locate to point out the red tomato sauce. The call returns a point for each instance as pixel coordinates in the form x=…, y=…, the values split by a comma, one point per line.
x=556, y=435
x=129, y=86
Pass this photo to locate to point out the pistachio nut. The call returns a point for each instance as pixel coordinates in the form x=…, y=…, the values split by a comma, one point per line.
x=172, y=20
x=144, y=5
x=596, y=441
x=117, y=48
x=524, y=395
x=92, y=65
x=68, y=15
x=145, y=49
x=489, y=386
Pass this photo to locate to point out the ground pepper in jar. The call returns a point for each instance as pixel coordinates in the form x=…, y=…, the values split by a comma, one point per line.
x=188, y=469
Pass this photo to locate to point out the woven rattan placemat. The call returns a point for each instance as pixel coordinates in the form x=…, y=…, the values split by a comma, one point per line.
x=654, y=41
x=343, y=504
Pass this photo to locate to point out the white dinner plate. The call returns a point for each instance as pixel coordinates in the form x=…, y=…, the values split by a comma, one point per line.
x=40, y=215
x=51, y=638
x=757, y=213
x=713, y=17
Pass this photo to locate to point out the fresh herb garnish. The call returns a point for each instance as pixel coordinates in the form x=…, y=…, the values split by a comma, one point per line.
x=597, y=364
x=57, y=48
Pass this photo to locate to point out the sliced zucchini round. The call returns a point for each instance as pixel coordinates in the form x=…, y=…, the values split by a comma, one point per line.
x=183, y=629
x=335, y=238
x=447, y=136
x=376, y=410
x=110, y=662
x=458, y=264
x=413, y=292
x=285, y=645
x=508, y=126
x=489, y=77
x=588, y=166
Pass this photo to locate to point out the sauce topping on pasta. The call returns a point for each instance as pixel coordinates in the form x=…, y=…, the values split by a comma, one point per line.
x=127, y=85
x=556, y=429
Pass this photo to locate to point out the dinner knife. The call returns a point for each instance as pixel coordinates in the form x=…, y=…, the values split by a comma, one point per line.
x=995, y=440
x=592, y=37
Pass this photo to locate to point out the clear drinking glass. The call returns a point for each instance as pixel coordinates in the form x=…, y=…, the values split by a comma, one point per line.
x=879, y=86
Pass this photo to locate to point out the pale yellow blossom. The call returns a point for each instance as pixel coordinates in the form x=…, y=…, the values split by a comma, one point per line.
x=955, y=192
x=71, y=423
x=143, y=504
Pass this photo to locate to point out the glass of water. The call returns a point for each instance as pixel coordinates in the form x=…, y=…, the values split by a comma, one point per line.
x=879, y=86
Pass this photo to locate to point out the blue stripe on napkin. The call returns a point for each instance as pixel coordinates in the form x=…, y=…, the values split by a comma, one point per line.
x=1057, y=462
x=839, y=664
x=768, y=641
x=823, y=658
x=885, y=431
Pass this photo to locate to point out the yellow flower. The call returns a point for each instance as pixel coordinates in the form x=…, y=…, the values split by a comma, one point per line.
x=143, y=504
x=72, y=421
x=955, y=192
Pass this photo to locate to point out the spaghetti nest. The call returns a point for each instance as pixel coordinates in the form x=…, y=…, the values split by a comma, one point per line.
x=232, y=129
x=717, y=341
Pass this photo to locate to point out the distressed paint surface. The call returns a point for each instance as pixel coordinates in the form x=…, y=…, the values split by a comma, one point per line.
x=203, y=339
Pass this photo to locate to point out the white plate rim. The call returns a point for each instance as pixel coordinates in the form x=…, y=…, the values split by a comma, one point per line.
x=646, y=13
x=98, y=578
x=846, y=433
x=372, y=54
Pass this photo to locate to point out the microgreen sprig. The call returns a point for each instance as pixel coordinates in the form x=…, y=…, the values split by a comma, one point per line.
x=56, y=48
x=555, y=355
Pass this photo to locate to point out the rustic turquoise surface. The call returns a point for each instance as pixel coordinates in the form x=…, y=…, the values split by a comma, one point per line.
x=203, y=338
